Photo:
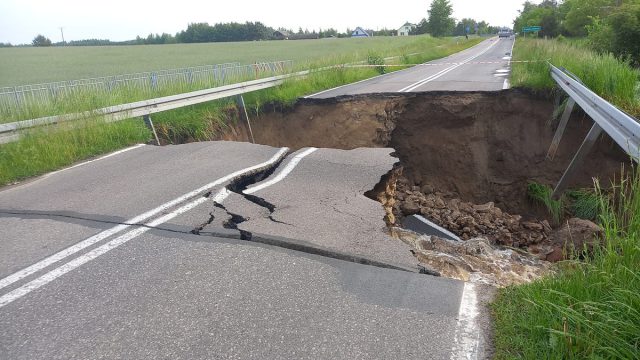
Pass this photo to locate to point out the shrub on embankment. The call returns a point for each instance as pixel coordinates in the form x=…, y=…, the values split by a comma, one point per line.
x=591, y=308
x=614, y=80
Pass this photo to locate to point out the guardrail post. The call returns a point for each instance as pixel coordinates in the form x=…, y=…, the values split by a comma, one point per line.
x=578, y=159
x=149, y=123
x=243, y=113
x=568, y=109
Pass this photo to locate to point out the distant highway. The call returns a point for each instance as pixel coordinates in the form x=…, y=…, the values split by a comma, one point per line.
x=484, y=67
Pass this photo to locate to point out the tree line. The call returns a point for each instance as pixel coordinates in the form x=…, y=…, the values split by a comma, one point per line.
x=611, y=26
x=438, y=23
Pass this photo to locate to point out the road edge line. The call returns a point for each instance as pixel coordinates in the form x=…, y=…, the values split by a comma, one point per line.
x=467, y=336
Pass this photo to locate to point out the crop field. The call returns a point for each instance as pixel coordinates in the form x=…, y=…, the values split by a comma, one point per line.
x=49, y=148
x=63, y=64
x=20, y=66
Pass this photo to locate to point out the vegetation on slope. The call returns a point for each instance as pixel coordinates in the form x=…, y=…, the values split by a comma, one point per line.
x=591, y=308
x=614, y=80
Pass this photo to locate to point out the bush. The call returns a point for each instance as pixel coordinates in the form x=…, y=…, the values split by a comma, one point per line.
x=375, y=59
x=618, y=34
x=40, y=40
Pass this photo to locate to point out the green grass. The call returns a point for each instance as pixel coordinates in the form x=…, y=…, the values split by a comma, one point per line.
x=580, y=203
x=585, y=203
x=19, y=66
x=591, y=308
x=610, y=78
x=83, y=100
x=33, y=155
x=541, y=195
x=43, y=150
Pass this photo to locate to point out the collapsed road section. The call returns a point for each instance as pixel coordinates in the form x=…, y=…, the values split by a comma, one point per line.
x=463, y=160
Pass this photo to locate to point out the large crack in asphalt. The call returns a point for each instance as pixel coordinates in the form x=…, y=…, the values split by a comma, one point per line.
x=240, y=184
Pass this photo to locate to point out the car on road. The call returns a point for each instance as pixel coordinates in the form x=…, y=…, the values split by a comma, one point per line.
x=504, y=33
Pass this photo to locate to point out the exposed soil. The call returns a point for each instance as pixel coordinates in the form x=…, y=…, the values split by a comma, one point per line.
x=465, y=158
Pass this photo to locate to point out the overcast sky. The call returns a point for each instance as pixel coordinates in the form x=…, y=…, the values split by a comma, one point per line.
x=22, y=20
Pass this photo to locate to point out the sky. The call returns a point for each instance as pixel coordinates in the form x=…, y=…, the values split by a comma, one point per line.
x=117, y=20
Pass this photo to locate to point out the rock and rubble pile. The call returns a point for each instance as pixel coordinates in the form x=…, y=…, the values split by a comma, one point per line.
x=469, y=220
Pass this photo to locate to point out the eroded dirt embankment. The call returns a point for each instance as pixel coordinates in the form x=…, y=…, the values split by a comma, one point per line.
x=466, y=157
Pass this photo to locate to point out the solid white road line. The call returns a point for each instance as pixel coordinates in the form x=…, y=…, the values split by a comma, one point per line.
x=379, y=76
x=136, y=220
x=75, y=166
x=97, y=159
x=345, y=85
x=285, y=171
x=221, y=195
x=85, y=258
x=507, y=84
x=466, y=341
x=441, y=73
x=511, y=53
x=103, y=249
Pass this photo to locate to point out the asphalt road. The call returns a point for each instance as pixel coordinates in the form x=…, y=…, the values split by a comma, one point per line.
x=484, y=67
x=99, y=261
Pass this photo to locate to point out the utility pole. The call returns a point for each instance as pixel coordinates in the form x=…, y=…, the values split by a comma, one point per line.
x=62, y=33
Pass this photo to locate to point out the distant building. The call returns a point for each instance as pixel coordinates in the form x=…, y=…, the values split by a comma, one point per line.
x=281, y=35
x=406, y=29
x=359, y=32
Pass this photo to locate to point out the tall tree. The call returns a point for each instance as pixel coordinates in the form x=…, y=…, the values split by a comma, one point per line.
x=546, y=15
x=440, y=21
x=421, y=28
x=580, y=14
x=40, y=40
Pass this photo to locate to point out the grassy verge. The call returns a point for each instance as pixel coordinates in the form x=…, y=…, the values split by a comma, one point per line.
x=610, y=78
x=591, y=308
x=43, y=151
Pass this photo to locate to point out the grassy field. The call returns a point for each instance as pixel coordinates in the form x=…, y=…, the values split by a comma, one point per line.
x=308, y=54
x=19, y=66
x=59, y=146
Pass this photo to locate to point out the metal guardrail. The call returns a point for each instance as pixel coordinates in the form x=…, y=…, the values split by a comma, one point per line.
x=621, y=127
x=206, y=76
x=9, y=131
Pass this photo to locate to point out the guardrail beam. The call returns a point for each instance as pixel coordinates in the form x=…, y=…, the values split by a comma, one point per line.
x=622, y=128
